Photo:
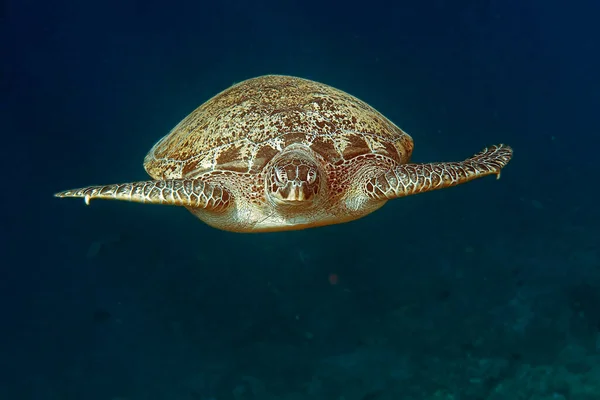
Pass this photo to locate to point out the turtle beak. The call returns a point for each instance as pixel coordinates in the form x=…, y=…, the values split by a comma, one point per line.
x=293, y=193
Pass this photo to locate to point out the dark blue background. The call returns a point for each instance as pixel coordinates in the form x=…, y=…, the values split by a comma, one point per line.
x=143, y=302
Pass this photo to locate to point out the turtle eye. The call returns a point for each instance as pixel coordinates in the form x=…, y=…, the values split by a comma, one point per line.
x=311, y=177
x=280, y=176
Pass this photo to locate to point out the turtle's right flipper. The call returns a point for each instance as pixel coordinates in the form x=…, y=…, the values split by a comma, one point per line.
x=193, y=193
x=408, y=179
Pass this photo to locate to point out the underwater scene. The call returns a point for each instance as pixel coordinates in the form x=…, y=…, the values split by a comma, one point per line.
x=271, y=200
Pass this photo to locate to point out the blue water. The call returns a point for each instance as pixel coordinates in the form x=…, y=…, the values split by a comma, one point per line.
x=487, y=291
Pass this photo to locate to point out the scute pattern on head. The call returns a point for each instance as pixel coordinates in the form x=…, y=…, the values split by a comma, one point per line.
x=242, y=128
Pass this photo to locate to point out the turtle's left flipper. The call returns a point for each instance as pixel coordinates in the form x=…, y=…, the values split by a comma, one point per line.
x=408, y=179
x=194, y=193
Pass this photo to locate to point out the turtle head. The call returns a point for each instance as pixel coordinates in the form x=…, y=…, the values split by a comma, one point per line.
x=294, y=179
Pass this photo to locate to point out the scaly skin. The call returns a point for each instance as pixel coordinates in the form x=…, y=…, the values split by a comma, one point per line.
x=178, y=192
x=212, y=200
x=407, y=179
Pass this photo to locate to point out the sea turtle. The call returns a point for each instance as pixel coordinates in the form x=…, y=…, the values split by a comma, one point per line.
x=277, y=153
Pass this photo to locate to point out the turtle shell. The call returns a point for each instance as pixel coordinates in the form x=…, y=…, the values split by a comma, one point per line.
x=242, y=128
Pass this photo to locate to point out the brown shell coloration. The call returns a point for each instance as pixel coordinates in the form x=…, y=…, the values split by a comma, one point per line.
x=242, y=128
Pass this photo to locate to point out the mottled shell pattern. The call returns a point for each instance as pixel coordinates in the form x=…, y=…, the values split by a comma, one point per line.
x=242, y=128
